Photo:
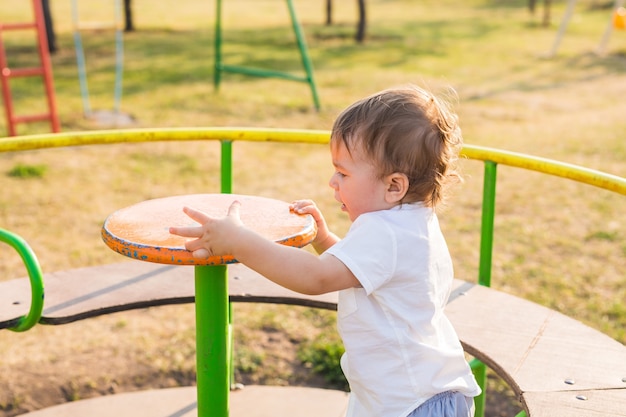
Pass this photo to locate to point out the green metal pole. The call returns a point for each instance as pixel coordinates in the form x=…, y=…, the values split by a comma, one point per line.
x=227, y=167
x=488, y=216
x=227, y=188
x=480, y=373
x=484, y=267
x=212, y=331
x=306, y=60
x=218, y=45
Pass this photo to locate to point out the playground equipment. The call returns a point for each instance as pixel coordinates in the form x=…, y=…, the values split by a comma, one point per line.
x=556, y=365
x=25, y=322
x=114, y=117
x=616, y=21
x=44, y=71
x=220, y=67
x=619, y=18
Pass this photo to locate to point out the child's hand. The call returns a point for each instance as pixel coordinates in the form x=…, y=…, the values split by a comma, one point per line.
x=215, y=236
x=307, y=207
x=324, y=238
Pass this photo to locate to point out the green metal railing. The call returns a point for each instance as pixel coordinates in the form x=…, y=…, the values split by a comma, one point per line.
x=36, y=280
x=491, y=158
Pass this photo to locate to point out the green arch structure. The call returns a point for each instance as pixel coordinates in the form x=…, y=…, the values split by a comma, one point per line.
x=36, y=280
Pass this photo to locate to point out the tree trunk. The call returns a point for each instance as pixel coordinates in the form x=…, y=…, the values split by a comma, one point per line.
x=360, y=32
x=50, y=35
x=329, y=12
x=128, y=17
x=546, y=13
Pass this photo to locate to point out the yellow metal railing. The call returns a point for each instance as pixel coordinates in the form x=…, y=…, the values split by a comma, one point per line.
x=103, y=137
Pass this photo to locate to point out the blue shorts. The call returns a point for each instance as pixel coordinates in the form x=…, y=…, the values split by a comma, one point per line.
x=446, y=404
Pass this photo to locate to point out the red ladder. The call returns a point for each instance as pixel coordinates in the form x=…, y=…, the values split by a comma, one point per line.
x=45, y=71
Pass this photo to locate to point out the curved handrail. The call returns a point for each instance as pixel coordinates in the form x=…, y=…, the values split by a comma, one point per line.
x=101, y=137
x=36, y=280
x=547, y=166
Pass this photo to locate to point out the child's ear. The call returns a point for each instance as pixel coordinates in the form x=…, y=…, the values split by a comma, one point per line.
x=397, y=187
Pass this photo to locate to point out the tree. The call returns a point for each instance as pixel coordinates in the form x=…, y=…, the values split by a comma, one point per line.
x=128, y=17
x=50, y=35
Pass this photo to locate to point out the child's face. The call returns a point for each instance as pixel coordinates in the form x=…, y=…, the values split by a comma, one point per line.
x=356, y=183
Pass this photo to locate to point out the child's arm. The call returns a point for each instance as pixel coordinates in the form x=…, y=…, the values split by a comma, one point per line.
x=292, y=268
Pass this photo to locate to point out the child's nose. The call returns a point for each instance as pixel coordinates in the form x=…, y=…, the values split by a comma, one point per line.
x=333, y=182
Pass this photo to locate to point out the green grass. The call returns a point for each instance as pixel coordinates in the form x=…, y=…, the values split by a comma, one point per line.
x=322, y=355
x=27, y=171
x=558, y=243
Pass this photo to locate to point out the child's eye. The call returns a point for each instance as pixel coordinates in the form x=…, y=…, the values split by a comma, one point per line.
x=340, y=174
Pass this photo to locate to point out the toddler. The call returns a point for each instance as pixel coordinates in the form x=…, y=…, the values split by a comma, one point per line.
x=393, y=152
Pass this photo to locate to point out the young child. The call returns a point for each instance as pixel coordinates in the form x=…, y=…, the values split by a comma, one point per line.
x=393, y=153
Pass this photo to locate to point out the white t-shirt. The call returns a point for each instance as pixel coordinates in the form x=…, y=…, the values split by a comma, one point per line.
x=400, y=347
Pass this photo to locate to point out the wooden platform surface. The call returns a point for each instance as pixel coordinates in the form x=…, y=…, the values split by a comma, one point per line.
x=251, y=401
x=89, y=292
x=558, y=366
